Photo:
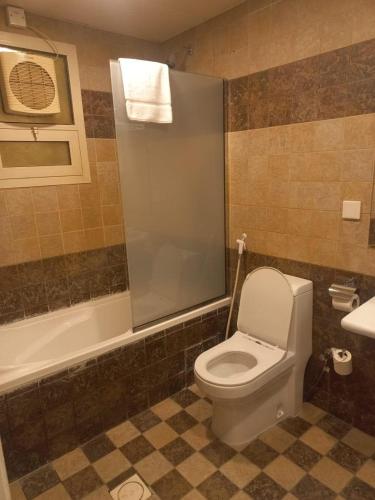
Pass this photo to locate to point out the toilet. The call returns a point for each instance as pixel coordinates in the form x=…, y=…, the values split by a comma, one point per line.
x=255, y=378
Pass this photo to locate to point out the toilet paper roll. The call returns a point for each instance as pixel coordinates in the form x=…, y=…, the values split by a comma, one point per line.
x=346, y=305
x=342, y=361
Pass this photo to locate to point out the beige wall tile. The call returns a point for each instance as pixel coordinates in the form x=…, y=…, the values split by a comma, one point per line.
x=359, y=191
x=328, y=135
x=109, y=191
x=359, y=131
x=279, y=167
x=300, y=138
x=258, y=141
x=323, y=252
x=45, y=198
x=324, y=224
x=114, y=235
x=351, y=257
x=357, y=165
x=7, y=251
x=92, y=217
x=300, y=248
x=105, y=149
x=19, y=201
x=277, y=244
x=89, y=195
x=71, y=220
x=257, y=168
x=23, y=226
x=74, y=241
x=48, y=223
x=315, y=195
x=363, y=21
x=336, y=26
x=239, y=179
x=112, y=215
x=3, y=205
x=27, y=249
x=94, y=238
x=277, y=193
x=52, y=245
x=355, y=232
x=323, y=166
x=237, y=145
x=68, y=197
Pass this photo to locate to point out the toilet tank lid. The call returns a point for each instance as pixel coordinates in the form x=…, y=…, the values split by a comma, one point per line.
x=298, y=285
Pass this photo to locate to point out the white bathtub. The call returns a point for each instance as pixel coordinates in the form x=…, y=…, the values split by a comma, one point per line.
x=34, y=348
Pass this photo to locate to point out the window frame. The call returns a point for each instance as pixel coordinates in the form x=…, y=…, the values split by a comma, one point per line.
x=75, y=135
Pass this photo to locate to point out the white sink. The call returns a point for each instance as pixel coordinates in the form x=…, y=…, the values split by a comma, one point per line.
x=361, y=320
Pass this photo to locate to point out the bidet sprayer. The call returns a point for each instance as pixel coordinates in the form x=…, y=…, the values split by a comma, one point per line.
x=241, y=242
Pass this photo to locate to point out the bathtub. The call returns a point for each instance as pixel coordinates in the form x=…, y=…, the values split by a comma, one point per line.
x=38, y=347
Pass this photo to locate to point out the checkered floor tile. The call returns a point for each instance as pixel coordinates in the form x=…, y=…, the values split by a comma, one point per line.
x=171, y=447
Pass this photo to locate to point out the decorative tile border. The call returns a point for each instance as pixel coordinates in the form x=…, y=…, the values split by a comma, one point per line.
x=332, y=85
x=350, y=398
x=99, y=115
x=42, y=421
x=45, y=285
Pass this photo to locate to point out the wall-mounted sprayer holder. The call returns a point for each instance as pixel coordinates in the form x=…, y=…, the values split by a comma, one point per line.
x=344, y=297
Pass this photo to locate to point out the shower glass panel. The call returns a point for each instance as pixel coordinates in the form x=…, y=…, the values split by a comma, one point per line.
x=172, y=181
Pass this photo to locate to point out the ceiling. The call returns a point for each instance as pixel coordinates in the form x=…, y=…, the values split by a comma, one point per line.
x=153, y=20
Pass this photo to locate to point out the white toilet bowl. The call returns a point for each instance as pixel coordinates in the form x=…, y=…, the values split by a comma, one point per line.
x=255, y=378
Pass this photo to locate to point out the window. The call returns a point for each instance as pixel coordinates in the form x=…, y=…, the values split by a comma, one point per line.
x=42, y=149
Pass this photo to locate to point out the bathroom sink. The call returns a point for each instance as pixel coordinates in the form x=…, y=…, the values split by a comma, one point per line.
x=361, y=320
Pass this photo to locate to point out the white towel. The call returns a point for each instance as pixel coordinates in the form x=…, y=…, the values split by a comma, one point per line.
x=147, y=91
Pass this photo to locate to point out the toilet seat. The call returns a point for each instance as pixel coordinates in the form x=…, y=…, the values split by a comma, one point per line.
x=237, y=361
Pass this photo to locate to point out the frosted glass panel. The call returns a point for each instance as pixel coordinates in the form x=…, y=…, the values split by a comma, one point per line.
x=172, y=179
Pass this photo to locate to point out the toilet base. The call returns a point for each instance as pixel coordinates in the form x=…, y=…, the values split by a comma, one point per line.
x=237, y=422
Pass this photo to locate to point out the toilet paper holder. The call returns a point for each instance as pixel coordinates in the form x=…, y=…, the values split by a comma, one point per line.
x=344, y=297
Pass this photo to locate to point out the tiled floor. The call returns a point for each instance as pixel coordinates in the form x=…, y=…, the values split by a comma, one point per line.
x=312, y=456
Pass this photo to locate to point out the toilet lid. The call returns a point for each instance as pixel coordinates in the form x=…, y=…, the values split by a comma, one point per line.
x=266, y=306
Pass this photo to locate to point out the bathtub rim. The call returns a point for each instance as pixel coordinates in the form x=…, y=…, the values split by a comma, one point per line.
x=51, y=367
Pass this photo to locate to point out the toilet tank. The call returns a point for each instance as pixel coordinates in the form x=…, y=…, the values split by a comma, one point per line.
x=300, y=335
x=277, y=308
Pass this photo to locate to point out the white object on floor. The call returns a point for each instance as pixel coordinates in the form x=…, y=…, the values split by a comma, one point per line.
x=255, y=378
x=131, y=489
x=147, y=91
